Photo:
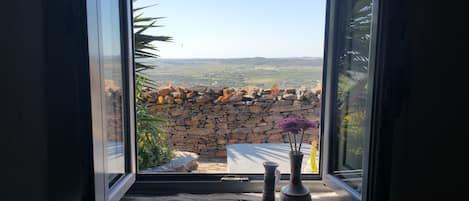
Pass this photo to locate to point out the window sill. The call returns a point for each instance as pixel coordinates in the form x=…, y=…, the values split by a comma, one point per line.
x=323, y=196
x=207, y=187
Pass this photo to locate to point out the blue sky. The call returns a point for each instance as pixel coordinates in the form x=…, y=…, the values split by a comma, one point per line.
x=239, y=28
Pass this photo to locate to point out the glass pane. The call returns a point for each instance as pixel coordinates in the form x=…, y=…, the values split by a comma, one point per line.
x=224, y=82
x=112, y=90
x=351, y=120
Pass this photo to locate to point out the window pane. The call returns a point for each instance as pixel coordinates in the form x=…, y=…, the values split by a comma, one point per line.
x=112, y=90
x=232, y=71
x=352, y=95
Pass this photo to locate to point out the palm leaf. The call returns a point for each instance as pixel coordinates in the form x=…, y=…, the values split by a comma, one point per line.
x=137, y=9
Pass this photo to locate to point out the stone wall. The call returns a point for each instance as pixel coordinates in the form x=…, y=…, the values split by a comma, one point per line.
x=204, y=120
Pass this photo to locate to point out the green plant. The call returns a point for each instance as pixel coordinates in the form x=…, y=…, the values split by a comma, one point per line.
x=152, y=143
x=144, y=44
x=153, y=147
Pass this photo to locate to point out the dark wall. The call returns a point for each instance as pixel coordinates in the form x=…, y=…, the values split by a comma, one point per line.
x=68, y=101
x=23, y=129
x=46, y=117
x=421, y=107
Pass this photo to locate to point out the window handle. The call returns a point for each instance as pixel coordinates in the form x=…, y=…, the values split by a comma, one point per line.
x=234, y=179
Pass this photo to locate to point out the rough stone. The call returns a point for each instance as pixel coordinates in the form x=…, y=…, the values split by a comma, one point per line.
x=176, y=112
x=236, y=98
x=273, y=118
x=201, y=131
x=290, y=91
x=242, y=131
x=190, y=95
x=177, y=94
x=160, y=100
x=164, y=91
x=261, y=129
x=285, y=108
x=183, y=161
x=222, y=125
x=201, y=99
x=274, y=131
x=199, y=125
x=282, y=103
x=178, y=101
x=248, y=97
x=255, y=109
x=221, y=153
x=266, y=97
x=289, y=97
x=262, y=124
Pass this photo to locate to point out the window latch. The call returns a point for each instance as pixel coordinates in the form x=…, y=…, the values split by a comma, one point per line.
x=234, y=179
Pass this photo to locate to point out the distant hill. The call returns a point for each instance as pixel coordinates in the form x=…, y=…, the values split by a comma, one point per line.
x=237, y=72
x=314, y=61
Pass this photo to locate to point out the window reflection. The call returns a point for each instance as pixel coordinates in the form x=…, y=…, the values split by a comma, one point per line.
x=352, y=91
x=112, y=89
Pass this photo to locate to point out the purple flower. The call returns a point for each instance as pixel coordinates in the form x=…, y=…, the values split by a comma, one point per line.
x=295, y=125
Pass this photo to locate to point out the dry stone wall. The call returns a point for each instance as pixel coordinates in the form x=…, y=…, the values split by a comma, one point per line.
x=204, y=120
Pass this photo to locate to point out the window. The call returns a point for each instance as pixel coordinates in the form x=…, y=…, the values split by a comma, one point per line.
x=352, y=95
x=111, y=82
x=213, y=113
x=224, y=82
x=113, y=90
x=349, y=96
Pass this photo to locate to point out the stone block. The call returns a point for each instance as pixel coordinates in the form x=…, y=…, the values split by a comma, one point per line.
x=201, y=131
x=289, y=96
x=274, y=131
x=164, y=91
x=242, y=131
x=176, y=112
x=221, y=141
x=285, y=108
x=255, y=109
x=273, y=118
x=261, y=129
x=222, y=125
x=220, y=153
x=263, y=124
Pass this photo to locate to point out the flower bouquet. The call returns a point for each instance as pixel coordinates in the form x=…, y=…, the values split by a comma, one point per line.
x=295, y=190
x=295, y=127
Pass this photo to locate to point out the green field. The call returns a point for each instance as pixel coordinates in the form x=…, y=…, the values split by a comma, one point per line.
x=258, y=72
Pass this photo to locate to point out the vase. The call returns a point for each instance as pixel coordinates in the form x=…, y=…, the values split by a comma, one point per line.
x=295, y=190
x=268, y=194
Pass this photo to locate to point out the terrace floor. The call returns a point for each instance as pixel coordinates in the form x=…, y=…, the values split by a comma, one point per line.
x=248, y=158
x=211, y=165
x=244, y=158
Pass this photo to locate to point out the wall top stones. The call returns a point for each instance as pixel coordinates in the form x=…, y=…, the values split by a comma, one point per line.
x=169, y=95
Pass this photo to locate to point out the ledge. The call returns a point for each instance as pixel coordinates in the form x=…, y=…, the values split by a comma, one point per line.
x=324, y=196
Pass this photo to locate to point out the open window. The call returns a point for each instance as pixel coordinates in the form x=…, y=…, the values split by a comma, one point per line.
x=349, y=95
x=112, y=97
x=235, y=121
x=222, y=85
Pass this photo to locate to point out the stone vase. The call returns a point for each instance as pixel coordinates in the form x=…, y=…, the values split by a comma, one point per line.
x=268, y=194
x=295, y=190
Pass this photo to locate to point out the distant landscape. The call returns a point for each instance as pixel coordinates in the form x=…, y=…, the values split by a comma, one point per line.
x=237, y=72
